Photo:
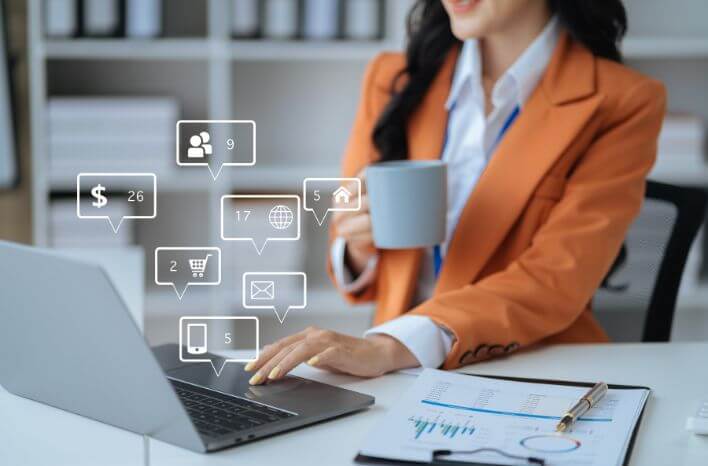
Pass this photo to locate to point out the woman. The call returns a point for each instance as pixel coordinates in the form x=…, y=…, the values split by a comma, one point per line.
x=548, y=141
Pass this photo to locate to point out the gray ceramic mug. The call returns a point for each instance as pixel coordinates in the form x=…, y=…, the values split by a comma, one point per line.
x=408, y=203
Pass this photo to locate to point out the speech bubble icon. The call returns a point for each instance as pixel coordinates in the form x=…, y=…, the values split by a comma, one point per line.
x=111, y=196
x=180, y=267
x=260, y=218
x=216, y=144
x=278, y=291
x=324, y=195
x=201, y=336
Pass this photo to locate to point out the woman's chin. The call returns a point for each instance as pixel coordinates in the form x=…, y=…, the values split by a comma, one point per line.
x=468, y=28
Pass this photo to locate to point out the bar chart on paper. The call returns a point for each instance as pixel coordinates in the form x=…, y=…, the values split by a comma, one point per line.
x=444, y=411
x=425, y=427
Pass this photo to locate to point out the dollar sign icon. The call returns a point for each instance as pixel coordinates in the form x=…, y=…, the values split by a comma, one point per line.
x=97, y=192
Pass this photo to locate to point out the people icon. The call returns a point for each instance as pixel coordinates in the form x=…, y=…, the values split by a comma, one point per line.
x=200, y=146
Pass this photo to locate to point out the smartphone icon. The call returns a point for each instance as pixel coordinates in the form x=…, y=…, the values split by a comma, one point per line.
x=196, y=338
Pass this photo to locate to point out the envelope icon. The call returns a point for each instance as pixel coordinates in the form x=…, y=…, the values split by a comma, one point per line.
x=262, y=290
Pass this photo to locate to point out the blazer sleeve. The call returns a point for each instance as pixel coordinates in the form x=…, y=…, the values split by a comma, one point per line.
x=549, y=285
x=359, y=153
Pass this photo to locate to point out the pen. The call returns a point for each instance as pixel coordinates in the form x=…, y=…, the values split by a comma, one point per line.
x=588, y=400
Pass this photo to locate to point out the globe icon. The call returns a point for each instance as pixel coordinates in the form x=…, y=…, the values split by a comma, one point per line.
x=280, y=217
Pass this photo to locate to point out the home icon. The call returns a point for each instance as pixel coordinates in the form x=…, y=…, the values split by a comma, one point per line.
x=341, y=195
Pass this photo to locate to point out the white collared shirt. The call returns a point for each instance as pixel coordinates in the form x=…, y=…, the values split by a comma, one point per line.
x=472, y=137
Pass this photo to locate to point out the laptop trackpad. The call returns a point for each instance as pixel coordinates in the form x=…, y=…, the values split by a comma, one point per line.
x=234, y=380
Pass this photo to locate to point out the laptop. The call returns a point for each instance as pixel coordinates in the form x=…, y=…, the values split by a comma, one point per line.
x=68, y=340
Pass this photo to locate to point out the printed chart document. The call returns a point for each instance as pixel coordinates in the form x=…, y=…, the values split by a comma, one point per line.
x=448, y=411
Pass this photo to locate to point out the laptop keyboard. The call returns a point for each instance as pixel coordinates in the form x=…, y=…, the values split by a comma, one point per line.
x=215, y=414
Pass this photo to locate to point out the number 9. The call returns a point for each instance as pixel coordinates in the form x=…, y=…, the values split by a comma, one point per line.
x=230, y=144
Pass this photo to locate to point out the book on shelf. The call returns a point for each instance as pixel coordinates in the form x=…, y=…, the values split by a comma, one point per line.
x=100, y=18
x=362, y=19
x=245, y=21
x=104, y=134
x=280, y=19
x=320, y=19
x=143, y=18
x=60, y=17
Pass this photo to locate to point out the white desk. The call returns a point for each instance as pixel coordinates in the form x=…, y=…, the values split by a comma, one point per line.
x=34, y=434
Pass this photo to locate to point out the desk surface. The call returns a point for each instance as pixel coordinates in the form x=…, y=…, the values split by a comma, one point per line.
x=34, y=434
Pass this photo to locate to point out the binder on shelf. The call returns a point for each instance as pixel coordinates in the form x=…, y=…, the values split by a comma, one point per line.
x=143, y=18
x=245, y=21
x=100, y=18
x=61, y=18
x=362, y=19
x=280, y=19
x=320, y=19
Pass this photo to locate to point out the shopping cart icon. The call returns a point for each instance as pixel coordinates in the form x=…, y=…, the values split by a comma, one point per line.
x=198, y=266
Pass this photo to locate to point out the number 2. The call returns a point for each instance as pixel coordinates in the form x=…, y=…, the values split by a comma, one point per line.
x=173, y=266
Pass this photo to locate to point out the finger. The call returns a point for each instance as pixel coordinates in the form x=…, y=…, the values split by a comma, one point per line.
x=340, y=216
x=353, y=186
x=342, y=360
x=299, y=354
x=261, y=376
x=271, y=350
x=330, y=358
x=355, y=225
x=360, y=241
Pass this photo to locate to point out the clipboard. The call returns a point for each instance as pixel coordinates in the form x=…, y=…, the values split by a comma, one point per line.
x=371, y=460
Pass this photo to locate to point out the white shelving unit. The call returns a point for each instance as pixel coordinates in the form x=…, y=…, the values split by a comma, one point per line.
x=302, y=96
x=214, y=77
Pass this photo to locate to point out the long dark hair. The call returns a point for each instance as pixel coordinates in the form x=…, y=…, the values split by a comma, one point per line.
x=597, y=24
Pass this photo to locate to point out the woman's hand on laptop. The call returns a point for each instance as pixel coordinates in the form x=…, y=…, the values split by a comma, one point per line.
x=363, y=357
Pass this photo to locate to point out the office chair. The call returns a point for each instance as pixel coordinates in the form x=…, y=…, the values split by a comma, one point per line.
x=637, y=299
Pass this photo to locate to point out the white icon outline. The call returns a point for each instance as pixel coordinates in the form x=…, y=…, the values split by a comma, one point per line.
x=266, y=288
x=226, y=360
x=189, y=283
x=296, y=216
x=206, y=164
x=114, y=227
x=196, y=349
x=331, y=209
x=244, y=279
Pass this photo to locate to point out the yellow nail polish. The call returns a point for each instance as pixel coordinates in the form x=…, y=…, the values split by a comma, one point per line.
x=249, y=366
x=274, y=373
x=256, y=379
x=314, y=360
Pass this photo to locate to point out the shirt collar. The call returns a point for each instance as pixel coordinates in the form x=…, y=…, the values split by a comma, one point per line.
x=519, y=81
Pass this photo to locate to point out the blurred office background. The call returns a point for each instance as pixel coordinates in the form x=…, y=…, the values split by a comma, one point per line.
x=99, y=85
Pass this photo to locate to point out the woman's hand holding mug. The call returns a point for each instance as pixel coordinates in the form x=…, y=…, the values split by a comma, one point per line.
x=355, y=228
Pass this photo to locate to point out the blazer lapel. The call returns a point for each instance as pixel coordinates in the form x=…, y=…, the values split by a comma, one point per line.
x=555, y=113
x=426, y=136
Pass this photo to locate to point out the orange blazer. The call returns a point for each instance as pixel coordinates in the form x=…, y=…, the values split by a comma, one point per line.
x=546, y=219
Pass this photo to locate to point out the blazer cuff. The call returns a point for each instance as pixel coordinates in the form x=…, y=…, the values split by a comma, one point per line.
x=429, y=343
